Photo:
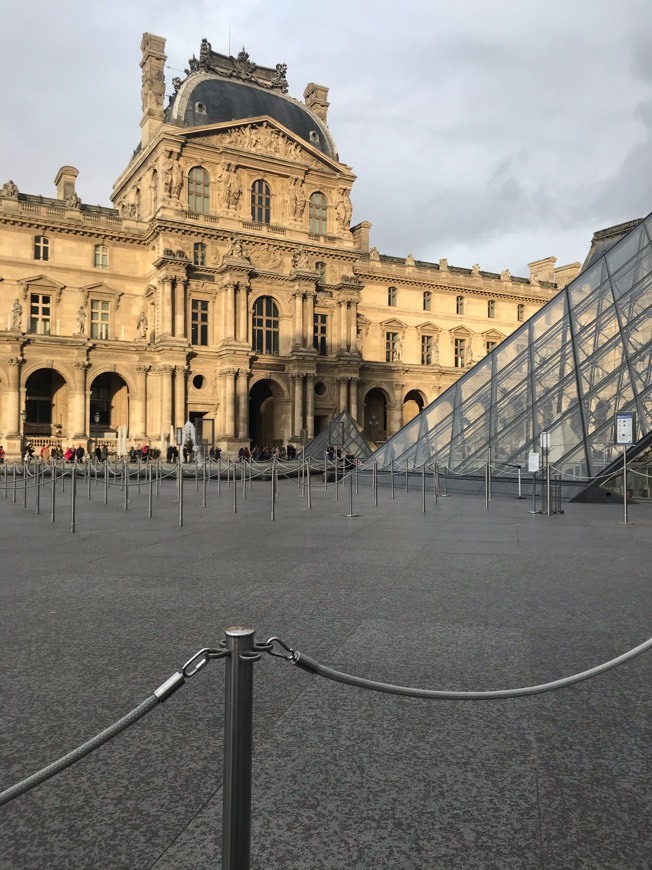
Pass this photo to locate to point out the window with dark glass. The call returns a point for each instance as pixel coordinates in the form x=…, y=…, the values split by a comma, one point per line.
x=100, y=314
x=198, y=190
x=261, y=202
x=39, y=313
x=265, y=326
x=491, y=308
x=199, y=321
x=320, y=333
x=392, y=347
x=391, y=296
x=460, y=353
x=101, y=257
x=317, y=212
x=41, y=248
x=459, y=305
x=520, y=312
x=490, y=345
x=427, y=300
x=199, y=254
x=427, y=343
x=320, y=267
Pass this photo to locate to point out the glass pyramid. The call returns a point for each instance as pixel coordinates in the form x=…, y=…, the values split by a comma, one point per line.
x=342, y=432
x=583, y=356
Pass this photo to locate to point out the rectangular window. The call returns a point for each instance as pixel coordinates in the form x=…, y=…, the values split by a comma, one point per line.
x=101, y=257
x=320, y=334
x=391, y=296
x=460, y=353
x=100, y=312
x=459, y=305
x=392, y=347
x=490, y=345
x=199, y=322
x=520, y=312
x=39, y=313
x=427, y=342
x=491, y=308
x=41, y=248
x=427, y=300
x=199, y=254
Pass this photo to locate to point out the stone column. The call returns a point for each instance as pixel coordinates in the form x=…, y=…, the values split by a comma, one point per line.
x=353, y=398
x=243, y=313
x=165, y=404
x=243, y=403
x=310, y=318
x=12, y=400
x=343, y=382
x=298, y=318
x=343, y=311
x=229, y=402
x=165, y=305
x=310, y=406
x=77, y=411
x=180, y=308
x=138, y=405
x=395, y=411
x=298, y=404
x=229, y=311
x=353, y=326
x=180, y=395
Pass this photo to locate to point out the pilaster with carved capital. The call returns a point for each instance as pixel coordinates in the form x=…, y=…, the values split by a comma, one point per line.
x=12, y=398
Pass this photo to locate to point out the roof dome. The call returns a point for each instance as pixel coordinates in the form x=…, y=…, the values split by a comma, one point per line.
x=219, y=89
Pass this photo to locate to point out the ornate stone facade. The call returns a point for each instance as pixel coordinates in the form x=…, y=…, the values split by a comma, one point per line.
x=227, y=286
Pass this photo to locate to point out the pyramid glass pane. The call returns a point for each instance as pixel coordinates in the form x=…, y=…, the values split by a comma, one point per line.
x=342, y=432
x=582, y=357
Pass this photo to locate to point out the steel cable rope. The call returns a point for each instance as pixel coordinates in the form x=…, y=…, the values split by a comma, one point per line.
x=311, y=665
x=201, y=658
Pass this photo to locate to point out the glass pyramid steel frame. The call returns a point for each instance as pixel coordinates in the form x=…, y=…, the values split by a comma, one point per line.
x=583, y=356
x=342, y=432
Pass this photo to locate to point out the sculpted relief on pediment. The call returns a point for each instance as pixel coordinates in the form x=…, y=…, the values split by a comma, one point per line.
x=262, y=139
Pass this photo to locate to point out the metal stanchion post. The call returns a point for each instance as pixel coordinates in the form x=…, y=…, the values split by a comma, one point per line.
x=273, y=494
x=63, y=475
x=219, y=475
x=423, y=488
x=24, y=484
x=486, y=486
x=138, y=466
x=520, y=489
x=325, y=472
x=375, y=483
x=126, y=487
x=180, y=492
x=548, y=488
x=350, y=514
x=238, y=744
x=445, y=494
x=40, y=475
x=149, y=491
x=534, y=493
x=357, y=475
x=391, y=476
x=54, y=493
x=243, y=477
x=308, y=486
x=4, y=470
x=88, y=478
x=73, y=494
x=337, y=485
x=435, y=482
x=14, y=483
x=407, y=484
x=204, y=482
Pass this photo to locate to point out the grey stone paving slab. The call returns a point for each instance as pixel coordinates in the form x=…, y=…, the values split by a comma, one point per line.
x=459, y=597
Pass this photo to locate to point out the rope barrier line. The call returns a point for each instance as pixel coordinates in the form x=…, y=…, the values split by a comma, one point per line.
x=312, y=666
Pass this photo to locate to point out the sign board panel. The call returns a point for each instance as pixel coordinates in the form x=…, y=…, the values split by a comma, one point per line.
x=533, y=461
x=545, y=440
x=625, y=428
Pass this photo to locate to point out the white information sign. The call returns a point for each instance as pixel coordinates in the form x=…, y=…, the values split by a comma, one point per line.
x=533, y=461
x=625, y=426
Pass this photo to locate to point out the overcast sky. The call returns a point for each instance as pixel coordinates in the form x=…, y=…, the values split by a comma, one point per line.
x=489, y=131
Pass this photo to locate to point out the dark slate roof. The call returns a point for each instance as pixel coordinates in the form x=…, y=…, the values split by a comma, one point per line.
x=222, y=100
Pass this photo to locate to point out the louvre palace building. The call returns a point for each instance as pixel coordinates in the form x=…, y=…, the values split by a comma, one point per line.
x=226, y=285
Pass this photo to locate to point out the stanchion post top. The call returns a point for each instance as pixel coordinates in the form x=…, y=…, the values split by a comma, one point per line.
x=238, y=631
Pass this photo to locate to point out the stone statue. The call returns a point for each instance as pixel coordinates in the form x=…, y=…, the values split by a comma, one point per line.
x=81, y=319
x=300, y=259
x=141, y=326
x=9, y=190
x=398, y=350
x=16, y=316
x=344, y=209
x=231, y=189
x=172, y=176
x=443, y=265
x=297, y=198
x=177, y=179
x=72, y=200
x=505, y=275
x=374, y=255
x=435, y=353
x=236, y=249
x=176, y=84
x=475, y=270
x=409, y=260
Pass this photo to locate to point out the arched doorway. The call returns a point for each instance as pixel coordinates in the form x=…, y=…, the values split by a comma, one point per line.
x=109, y=407
x=413, y=404
x=375, y=415
x=265, y=418
x=46, y=403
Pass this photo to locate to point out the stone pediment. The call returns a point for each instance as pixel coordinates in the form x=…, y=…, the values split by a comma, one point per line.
x=265, y=137
x=101, y=289
x=428, y=327
x=393, y=324
x=43, y=283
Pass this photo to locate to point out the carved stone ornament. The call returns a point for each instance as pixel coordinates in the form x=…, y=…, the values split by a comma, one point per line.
x=264, y=140
x=16, y=316
x=443, y=265
x=505, y=275
x=374, y=255
x=141, y=326
x=240, y=67
x=475, y=270
x=268, y=257
x=9, y=190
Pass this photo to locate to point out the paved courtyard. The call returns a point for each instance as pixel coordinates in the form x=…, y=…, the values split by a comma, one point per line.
x=459, y=597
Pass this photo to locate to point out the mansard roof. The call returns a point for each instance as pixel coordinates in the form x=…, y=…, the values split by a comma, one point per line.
x=220, y=88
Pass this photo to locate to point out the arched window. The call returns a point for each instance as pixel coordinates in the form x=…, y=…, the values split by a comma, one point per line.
x=261, y=202
x=427, y=300
x=264, y=330
x=317, y=214
x=198, y=190
x=199, y=254
x=459, y=305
